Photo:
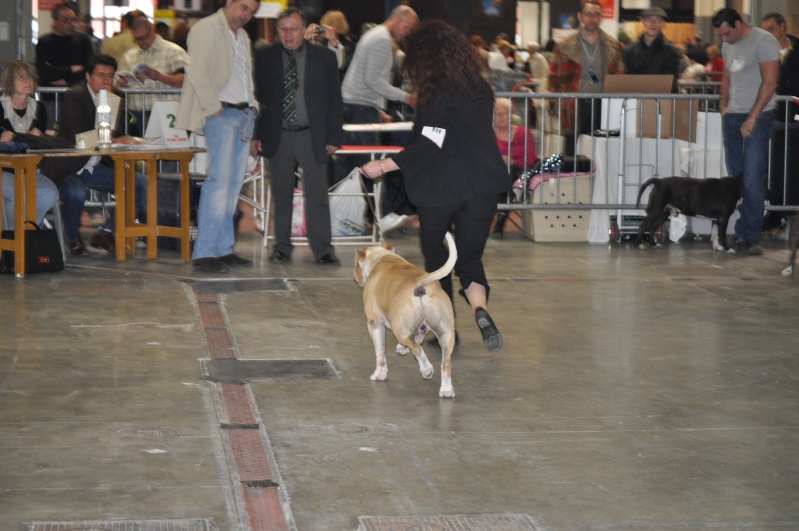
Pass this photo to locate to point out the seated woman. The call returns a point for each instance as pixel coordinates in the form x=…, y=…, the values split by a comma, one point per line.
x=21, y=113
x=517, y=146
x=715, y=64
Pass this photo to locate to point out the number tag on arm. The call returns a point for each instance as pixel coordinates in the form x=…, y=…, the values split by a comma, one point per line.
x=436, y=134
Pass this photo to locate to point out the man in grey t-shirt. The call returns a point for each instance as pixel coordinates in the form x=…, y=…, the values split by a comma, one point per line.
x=751, y=68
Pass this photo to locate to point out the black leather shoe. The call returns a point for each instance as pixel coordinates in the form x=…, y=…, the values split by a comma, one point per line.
x=76, y=248
x=104, y=239
x=277, y=256
x=752, y=248
x=492, y=339
x=329, y=259
x=233, y=259
x=210, y=265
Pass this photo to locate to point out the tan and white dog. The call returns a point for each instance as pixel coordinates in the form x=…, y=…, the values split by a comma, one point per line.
x=400, y=296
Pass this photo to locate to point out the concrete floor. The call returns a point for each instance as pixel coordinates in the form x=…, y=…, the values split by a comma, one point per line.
x=636, y=389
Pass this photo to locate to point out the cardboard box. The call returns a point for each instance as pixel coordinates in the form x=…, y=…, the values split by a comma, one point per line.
x=683, y=128
x=644, y=113
x=557, y=225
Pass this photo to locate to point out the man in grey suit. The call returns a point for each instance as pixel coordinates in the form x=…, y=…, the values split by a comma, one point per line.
x=300, y=124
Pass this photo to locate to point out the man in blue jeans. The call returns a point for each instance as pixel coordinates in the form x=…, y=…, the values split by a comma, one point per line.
x=751, y=70
x=218, y=99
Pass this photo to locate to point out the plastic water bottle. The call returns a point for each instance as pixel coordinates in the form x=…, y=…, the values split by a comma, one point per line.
x=103, y=121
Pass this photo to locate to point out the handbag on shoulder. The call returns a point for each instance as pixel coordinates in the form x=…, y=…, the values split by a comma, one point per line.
x=42, y=251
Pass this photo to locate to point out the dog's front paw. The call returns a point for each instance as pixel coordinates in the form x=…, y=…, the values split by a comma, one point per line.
x=446, y=392
x=402, y=350
x=729, y=251
x=380, y=375
x=788, y=271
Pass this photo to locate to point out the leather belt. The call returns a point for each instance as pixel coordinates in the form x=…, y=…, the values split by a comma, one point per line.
x=238, y=106
x=300, y=128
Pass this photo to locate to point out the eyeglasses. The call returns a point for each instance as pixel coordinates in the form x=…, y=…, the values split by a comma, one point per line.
x=292, y=29
x=24, y=77
x=145, y=36
x=597, y=14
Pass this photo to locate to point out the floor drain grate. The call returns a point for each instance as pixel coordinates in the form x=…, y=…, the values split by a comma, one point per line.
x=232, y=370
x=87, y=286
x=230, y=286
x=147, y=433
x=493, y=522
x=199, y=524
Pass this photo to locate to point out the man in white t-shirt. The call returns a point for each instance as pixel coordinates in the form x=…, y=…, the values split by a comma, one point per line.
x=751, y=69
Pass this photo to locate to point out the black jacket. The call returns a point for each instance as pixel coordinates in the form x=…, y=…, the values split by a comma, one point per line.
x=788, y=84
x=77, y=115
x=468, y=163
x=660, y=57
x=322, y=98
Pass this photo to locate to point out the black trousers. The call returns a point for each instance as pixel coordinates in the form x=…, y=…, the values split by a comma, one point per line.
x=471, y=221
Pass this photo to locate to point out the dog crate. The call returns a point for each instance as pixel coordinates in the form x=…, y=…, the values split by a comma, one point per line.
x=559, y=225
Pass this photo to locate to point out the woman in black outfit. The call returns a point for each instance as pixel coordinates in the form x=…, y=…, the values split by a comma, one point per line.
x=452, y=166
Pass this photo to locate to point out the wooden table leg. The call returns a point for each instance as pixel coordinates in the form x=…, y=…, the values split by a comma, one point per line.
x=185, y=209
x=120, y=210
x=152, y=207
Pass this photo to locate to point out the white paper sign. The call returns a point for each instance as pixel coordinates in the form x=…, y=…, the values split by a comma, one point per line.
x=162, y=126
x=436, y=134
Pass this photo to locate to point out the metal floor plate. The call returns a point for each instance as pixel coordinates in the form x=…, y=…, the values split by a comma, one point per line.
x=476, y=522
x=230, y=286
x=198, y=524
x=233, y=370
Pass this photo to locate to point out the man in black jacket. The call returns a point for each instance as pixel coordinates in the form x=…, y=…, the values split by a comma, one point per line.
x=74, y=174
x=788, y=84
x=652, y=54
x=298, y=87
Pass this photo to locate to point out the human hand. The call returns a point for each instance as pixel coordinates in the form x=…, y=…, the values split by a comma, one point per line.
x=7, y=136
x=255, y=148
x=384, y=118
x=371, y=169
x=331, y=149
x=747, y=128
x=150, y=73
x=35, y=132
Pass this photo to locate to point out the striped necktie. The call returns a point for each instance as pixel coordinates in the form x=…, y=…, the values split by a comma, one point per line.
x=290, y=86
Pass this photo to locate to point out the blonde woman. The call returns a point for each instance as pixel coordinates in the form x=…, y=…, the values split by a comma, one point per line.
x=21, y=113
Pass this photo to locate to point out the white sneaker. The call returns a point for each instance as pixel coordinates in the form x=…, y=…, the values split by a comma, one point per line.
x=392, y=221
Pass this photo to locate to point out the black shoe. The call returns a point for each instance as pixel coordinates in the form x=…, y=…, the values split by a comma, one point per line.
x=277, y=256
x=492, y=339
x=752, y=248
x=76, y=248
x=329, y=259
x=233, y=259
x=103, y=239
x=735, y=243
x=433, y=342
x=210, y=265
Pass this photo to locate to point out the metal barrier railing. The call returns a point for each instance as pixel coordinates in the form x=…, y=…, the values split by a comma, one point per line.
x=683, y=128
x=667, y=134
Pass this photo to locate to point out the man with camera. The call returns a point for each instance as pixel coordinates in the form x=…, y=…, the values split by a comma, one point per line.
x=300, y=124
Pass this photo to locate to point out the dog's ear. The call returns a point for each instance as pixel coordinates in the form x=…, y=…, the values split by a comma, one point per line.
x=391, y=248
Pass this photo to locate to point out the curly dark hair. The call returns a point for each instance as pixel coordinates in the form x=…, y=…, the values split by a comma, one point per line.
x=440, y=59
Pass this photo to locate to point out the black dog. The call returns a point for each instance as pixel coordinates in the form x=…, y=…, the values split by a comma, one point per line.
x=711, y=198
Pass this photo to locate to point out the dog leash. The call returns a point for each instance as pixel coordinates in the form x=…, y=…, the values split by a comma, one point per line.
x=370, y=203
